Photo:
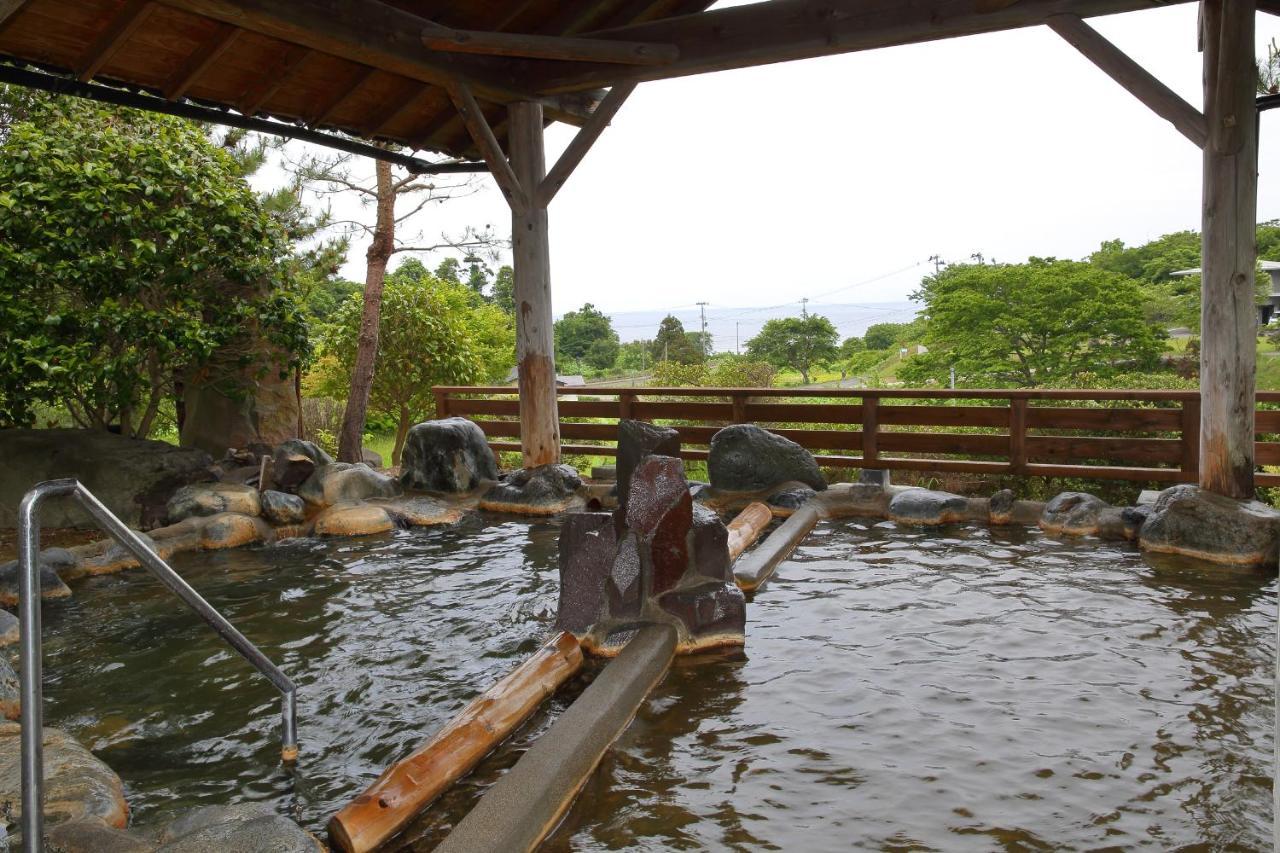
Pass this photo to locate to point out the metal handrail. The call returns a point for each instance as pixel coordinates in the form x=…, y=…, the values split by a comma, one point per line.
x=29, y=614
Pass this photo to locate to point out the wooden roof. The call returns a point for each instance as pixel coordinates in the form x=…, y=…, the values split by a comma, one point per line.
x=380, y=70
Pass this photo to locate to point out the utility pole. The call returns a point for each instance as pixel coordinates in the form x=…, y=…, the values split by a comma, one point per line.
x=804, y=308
x=706, y=348
x=737, y=338
x=938, y=263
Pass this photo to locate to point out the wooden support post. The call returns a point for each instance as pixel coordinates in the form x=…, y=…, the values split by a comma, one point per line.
x=1191, y=439
x=442, y=403
x=739, y=408
x=409, y=785
x=870, y=426
x=535, y=344
x=1018, y=435
x=1228, y=317
x=625, y=402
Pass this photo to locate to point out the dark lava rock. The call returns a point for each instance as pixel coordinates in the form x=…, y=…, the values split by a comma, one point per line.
x=1000, y=507
x=1190, y=521
x=541, y=490
x=712, y=614
x=341, y=482
x=746, y=458
x=241, y=827
x=587, y=551
x=792, y=498
x=50, y=562
x=710, y=546
x=655, y=486
x=283, y=508
x=927, y=508
x=449, y=455
x=294, y=461
x=636, y=440
x=1074, y=513
x=624, y=586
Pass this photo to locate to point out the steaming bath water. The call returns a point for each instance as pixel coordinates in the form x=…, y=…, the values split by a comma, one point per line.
x=954, y=689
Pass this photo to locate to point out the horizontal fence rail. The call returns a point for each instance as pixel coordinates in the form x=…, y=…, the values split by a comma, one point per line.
x=1137, y=435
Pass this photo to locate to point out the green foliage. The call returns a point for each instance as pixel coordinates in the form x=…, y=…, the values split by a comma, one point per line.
x=800, y=343
x=725, y=371
x=673, y=374
x=1032, y=324
x=673, y=344
x=432, y=332
x=504, y=291
x=324, y=297
x=635, y=355
x=851, y=346
x=587, y=335
x=448, y=271
x=131, y=252
x=882, y=336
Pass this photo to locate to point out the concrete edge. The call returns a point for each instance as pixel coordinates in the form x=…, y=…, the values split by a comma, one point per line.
x=756, y=567
x=527, y=803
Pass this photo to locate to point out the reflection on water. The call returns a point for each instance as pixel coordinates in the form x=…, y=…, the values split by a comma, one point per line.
x=949, y=690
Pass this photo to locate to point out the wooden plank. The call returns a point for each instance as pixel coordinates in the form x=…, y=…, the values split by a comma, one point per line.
x=1267, y=421
x=482, y=135
x=954, y=416
x=531, y=258
x=326, y=114
x=801, y=413
x=123, y=24
x=941, y=442
x=1146, y=395
x=1228, y=317
x=1055, y=448
x=1267, y=452
x=408, y=786
x=483, y=407
x=201, y=61
x=1136, y=80
x=397, y=111
x=565, y=48
x=781, y=30
x=651, y=410
x=9, y=10
x=275, y=79
x=582, y=142
x=588, y=409
x=1109, y=420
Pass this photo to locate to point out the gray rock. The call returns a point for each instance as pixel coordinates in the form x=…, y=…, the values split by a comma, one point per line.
x=1074, y=514
x=710, y=546
x=283, y=508
x=792, y=498
x=247, y=827
x=370, y=457
x=604, y=472
x=449, y=455
x=540, y=491
x=874, y=477
x=746, y=458
x=211, y=499
x=927, y=508
x=245, y=475
x=89, y=835
x=636, y=440
x=587, y=550
x=8, y=628
x=51, y=585
x=1000, y=508
x=1189, y=521
x=134, y=478
x=10, y=690
x=77, y=785
x=340, y=482
x=294, y=461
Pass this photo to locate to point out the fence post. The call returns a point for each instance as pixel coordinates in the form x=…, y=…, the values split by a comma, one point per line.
x=1191, y=439
x=739, y=408
x=624, y=406
x=870, y=426
x=1018, y=435
x=442, y=403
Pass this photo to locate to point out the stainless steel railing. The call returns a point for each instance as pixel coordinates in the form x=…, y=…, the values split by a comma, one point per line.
x=29, y=614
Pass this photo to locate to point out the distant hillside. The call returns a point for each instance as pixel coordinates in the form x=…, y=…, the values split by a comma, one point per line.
x=849, y=318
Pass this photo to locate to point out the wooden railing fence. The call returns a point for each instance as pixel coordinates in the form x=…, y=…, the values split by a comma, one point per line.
x=1113, y=435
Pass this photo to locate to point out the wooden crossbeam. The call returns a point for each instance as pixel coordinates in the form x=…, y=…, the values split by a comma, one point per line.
x=582, y=142
x=782, y=30
x=274, y=80
x=9, y=10
x=1140, y=83
x=490, y=150
x=567, y=48
x=201, y=61
x=375, y=34
x=125, y=22
x=326, y=114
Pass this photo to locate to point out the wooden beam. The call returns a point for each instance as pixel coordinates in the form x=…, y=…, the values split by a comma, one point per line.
x=379, y=125
x=122, y=25
x=9, y=10
x=747, y=527
x=582, y=142
x=1228, y=315
x=375, y=34
x=200, y=61
x=565, y=48
x=326, y=114
x=1272, y=6
x=478, y=127
x=781, y=30
x=1140, y=83
x=273, y=80
x=531, y=260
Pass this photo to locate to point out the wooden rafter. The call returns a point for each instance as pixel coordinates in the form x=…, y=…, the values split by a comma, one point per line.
x=201, y=61
x=327, y=113
x=1272, y=6
x=567, y=48
x=1139, y=82
x=490, y=150
x=371, y=33
x=274, y=80
x=444, y=119
x=122, y=25
x=9, y=10
x=781, y=30
x=582, y=142
x=398, y=110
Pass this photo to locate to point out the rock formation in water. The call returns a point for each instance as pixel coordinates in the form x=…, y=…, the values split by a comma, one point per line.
x=748, y=458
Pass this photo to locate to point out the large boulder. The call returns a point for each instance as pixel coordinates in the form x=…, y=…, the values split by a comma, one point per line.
x=746, y=458
x=242, y=827
x=636, y=440
x=264, y=410
x=76, y=784
x=89, y=835
x=293, y=461
x=283, y=508
x=353, y=519
x=448, y=455
x=341, y=482
x=1189, y=521
x=211, y=499
x=50, y=562
x=546, y=490
x=134, y=478
x=927, y=508
x=1074, y=514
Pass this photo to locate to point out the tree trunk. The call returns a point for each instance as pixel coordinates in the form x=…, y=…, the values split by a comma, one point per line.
x=402, y=430
x=378, y=255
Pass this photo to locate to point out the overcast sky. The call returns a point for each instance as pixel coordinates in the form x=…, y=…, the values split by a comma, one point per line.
x=837, y=178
